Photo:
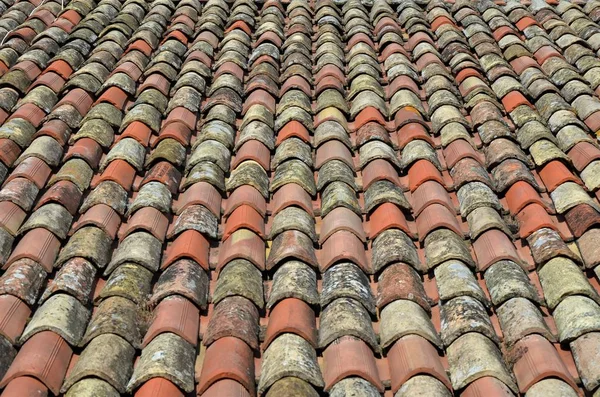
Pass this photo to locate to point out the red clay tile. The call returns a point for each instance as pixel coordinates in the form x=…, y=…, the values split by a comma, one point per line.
x=537, y=360
x=72, y=16
x=176, y=35
x=465, y=73
x=346, y=357
x=421, y=172
x=37, y=244
x=34, y=169
x=401, y=281
x=79, y=99
x=344, y=245
x=181, y=114
x=178, y=131
x=269, y=36
x=387, y=216
x=293, y=128
x=402, y=82
x=148, y=219
x=436, y=216
x=44, y=356
x=50, y=80
x=412, y=131
x=291, y=194
x=514, y=99
x=101, y=216
x=361, y=38
x=413, y=355
x=253, y=150
x=593, y=122
x=407, y=115
x=158, y=387
x=43, y=15
x=229, y=68
x=130, y=69
x=245, y=195
x=11, y=217
x=31, y=113
x=156, y=81
x=417, y=38
x=329, y=82
x=487, y=386
x=458, y=150
x=3, y=115
x=86, y=149
x=296, y=83
x=244, y=217
x=60, y=67
x=492, y=246
x=333, y=150
x=555, y=173
x=165, y=173
x=9, y=151
x=140, y=45
x=427, y=59
x=25, y=386
x=29, y=68
x=439, y=21
x=63, y=24
x=261, y=97
x=526, y=22
x=533, y=217
x=338, y=219
x=189, y=244
x=502, y=31
x=13, y=317
x=66, y=193
x=56, y=129
x=429, y=193
x=521, y=63
x=227, y=358
x=544, y=53
x=378, y=170
x=368, y=115
x=291, y=244
x=581, y=218
x=521, y=194
x=118, y=171
x=291, y=315
x=261, y=59
x=247, y=246
x=329, y=71
x=115, y=96
x=583, y=154
x=226, y=387
x=175, y=314
x=200, y=56
x=393, y=48
x=199, y=193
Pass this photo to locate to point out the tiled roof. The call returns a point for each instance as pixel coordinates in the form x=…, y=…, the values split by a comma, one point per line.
x=299, y=198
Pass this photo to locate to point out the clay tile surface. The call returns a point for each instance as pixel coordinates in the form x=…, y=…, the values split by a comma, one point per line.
x=392, y=197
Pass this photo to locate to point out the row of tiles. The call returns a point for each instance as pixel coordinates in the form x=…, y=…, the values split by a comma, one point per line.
x=254, y=180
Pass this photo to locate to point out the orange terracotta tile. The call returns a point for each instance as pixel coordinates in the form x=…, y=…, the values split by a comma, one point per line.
x=39, y=245
x=346, y=357
x=244, y=217
x=538, y=360
x=413, y=355
x=387, y=216
x=294, y=316
x=44, y=356
x=189, y=244
x=227, y=358
x=175, y=314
